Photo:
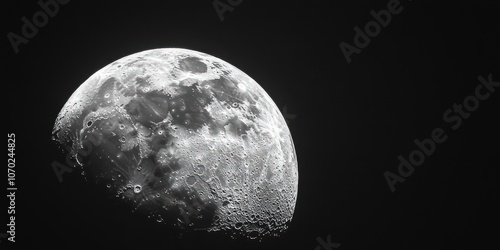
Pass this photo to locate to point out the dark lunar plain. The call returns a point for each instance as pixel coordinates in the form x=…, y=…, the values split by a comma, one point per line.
x=353, y=119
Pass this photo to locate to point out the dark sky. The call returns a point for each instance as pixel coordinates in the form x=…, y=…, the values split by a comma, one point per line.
x=353, y=119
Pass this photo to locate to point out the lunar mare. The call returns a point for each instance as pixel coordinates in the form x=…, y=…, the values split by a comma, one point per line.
x=188, y=138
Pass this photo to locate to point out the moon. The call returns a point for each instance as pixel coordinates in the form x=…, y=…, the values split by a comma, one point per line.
x=187, y=138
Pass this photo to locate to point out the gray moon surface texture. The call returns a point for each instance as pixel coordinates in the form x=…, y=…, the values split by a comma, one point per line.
x=188, y=139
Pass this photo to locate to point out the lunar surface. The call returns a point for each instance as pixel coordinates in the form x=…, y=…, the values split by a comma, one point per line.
x=188, y=139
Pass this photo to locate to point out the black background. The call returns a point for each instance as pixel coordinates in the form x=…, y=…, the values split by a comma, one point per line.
x=353, y=120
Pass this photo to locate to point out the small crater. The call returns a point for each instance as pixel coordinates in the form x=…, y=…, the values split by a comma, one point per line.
x=191, y=180
x=137, y=189
x=200, y=169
